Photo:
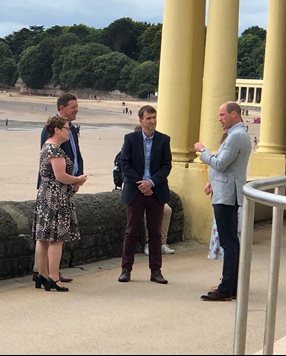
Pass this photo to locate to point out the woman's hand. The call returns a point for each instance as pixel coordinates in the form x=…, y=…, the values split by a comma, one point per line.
x=208, y=188
x=82, y=179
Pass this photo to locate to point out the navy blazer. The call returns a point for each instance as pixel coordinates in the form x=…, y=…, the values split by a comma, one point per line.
x=133, y=165
x=66, y=146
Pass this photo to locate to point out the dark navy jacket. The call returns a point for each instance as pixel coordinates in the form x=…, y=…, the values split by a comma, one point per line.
x=133, y=165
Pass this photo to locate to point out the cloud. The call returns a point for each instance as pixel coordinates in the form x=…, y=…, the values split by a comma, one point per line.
x=93, y=13
x=253, y=13
x=17, y=14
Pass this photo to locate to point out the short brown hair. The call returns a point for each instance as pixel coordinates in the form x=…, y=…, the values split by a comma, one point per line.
x=64, y=100
x=233, y=106
x=53, y=123
x=146, y=108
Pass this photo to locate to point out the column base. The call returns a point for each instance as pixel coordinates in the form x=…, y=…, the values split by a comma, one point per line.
x=263, y=165
x=182, y=156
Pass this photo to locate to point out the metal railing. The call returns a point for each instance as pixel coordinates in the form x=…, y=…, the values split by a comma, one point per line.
x=254, y=192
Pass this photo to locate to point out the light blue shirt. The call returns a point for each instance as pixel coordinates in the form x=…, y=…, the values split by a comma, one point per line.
x=229, y=131
x=75, y=160
x=148, y=142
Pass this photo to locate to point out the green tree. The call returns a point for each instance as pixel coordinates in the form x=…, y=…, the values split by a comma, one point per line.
x=105, y=70
x=81, y=31
x=35, y=66
x=95, y=35
x=8, y=66
x=55, y=31
x=125, y=76
x=71, y=68
x=122, y=36
x=150, y=43
x=251, y=51
x=144, y=79
x=25, y=38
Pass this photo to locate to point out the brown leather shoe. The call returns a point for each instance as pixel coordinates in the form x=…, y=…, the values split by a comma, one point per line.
x=125, y=276
x=64, y=279
x=157, y=277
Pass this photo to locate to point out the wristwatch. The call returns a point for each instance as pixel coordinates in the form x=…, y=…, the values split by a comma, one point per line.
x=202, y=149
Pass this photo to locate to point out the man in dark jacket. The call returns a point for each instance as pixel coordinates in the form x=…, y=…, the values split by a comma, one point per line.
x=68, y=108
x=146, y=163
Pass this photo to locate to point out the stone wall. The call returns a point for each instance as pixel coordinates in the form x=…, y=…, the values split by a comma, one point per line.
x=102, y=223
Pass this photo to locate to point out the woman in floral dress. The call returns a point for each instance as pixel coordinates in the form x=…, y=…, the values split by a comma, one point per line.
x=55, y=218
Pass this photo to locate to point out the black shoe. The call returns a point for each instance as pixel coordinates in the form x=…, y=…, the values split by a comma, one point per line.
x=157, y=277
x=64, y=279
x=233, y=295
x=35, y=275
x=53, y=285
x=40, y=281
x=125, y=276
x=216, y=296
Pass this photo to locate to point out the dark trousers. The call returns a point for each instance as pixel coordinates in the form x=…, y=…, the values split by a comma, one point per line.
x=226, y=217
x=135, y=221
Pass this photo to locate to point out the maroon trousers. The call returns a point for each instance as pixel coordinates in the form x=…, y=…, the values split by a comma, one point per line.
x=135, y=221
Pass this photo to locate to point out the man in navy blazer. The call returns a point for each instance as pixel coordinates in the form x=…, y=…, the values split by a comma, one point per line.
x=146, y=163
x=67, y=108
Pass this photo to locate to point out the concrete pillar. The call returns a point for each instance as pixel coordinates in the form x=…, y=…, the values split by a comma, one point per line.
x=273, y=105
x=181, y=68
x=220, y=67
x=239, y=94
x=255, y=95
x=247, y=94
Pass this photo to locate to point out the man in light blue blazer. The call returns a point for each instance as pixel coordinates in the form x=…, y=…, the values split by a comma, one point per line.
x=227, y=175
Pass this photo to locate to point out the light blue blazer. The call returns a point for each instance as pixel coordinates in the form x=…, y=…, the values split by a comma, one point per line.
x=228, y=166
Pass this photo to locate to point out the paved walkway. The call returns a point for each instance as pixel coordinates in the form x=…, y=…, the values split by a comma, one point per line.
x=101, y=316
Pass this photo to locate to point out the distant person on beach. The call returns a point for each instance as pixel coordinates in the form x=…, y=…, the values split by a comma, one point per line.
x=55, y=220
x=146, y=163
x=67, y=106
x=6, y=123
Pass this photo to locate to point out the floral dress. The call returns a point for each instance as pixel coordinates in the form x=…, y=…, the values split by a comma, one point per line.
x=54, y=216
x=215, y=250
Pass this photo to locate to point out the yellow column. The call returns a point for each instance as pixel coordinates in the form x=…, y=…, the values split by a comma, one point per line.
x=181, y=67
x=273, y=104
x=220, y=67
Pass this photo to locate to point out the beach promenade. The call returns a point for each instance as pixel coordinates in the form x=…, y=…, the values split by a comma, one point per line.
x=100, y=316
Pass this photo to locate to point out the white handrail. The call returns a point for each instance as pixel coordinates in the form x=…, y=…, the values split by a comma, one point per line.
x=254, y=193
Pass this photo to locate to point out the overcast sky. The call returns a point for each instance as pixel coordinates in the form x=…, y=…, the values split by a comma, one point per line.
x=16, y=14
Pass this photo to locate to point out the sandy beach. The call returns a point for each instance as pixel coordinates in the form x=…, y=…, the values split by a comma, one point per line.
x=102, y=128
